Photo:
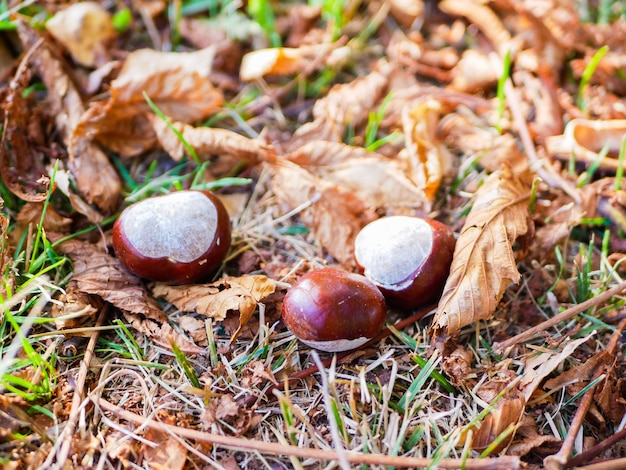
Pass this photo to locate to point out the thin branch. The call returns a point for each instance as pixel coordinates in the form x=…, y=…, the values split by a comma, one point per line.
x=68, y=431
x=498, y=463
x=559, y=461
x=543, y=327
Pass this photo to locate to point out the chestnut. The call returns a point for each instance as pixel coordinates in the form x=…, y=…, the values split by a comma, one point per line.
x=408, y=258
x=179, y=238
x=334, y=310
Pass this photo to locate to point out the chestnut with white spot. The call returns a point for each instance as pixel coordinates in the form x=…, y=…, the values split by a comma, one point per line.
x=408, y=258
x=181, y=237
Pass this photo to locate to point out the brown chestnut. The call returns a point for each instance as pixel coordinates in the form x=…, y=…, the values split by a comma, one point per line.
x=334, y=310
x=179, y=238
x=408, y=258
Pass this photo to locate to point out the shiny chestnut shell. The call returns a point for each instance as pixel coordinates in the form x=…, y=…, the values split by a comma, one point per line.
x=334, y=310
x=408, y=258
x=179, y=238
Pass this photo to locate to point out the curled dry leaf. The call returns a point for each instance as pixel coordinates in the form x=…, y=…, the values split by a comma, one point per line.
x=484, y=18
x=215, y=300
x=378, y=181
x=509, y=409
x=472, y=136
x=207, y=141
x=585, y=139
x=333, y=214
x=484, y=262
x=348, y=104
x=426, y=158
x=473, y=73
x=84, y=29
x=406, y=11
x=289, y=60
x=95, y=177
x=167, y=454
x=178, y=83
x=98, y=273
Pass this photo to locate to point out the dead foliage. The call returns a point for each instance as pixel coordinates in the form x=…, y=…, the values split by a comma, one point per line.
x=505, y=120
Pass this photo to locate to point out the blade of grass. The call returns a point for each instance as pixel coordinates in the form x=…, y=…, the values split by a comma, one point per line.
x=587, y=74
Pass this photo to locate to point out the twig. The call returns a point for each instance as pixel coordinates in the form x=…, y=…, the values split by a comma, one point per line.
x=68, y=432
x=616, y=464
x=498, y=463
x=596, y=450
x=559, y=460
x=500, y=347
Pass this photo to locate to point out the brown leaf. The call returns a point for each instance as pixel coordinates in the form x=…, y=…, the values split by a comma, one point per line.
x=585, y=139
x=239, y=294
x=348, y=104
x=84, y=29
x=95, y=176
x=227, y=407
x=289, y=60
x=21, y=166
x=52, y=221
x=484, y=262
x=334, y=215
x=98, y=273
x=168, y=454
x=378, y=181
x=207, y=141
x=178, y=83
x=426, y=158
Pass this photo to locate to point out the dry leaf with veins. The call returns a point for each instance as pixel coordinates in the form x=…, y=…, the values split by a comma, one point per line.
x=208, y=141
x=95, y=176
x=509, y=410
x=348, y=104
x=333, y=215
x=377, y=180
x=98, y=273
x=484, y=262
x=427, y=159
x=239, y=294
x=177, y=82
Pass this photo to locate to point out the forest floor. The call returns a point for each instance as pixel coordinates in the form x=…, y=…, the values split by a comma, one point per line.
x=504, y=120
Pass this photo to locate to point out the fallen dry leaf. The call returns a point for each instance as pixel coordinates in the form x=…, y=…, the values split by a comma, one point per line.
x=20, y=168
x=378, y=181
x=428, y=161
x=168, y=454
x=510, y=408
x=84, y=29
x=178, y=83
x=95, y=177
x=484, y=262
x=208, y=141
x=289, y=60
x=584, y=139
x=344, y=105
x=98, y=273
x=334, y=215
x=215, y=300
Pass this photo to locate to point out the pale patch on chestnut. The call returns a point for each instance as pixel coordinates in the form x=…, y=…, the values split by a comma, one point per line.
x=408, y=258
x=337, y=345
x=178, y=238
x=181, y=230
x=388, y=252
